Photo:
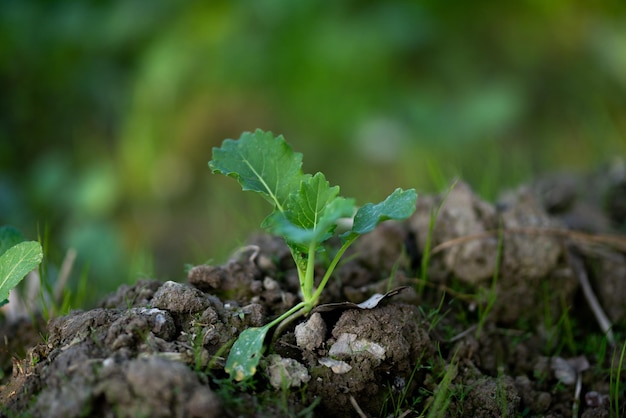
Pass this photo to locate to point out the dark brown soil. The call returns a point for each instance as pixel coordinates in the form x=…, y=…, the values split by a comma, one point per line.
x=493, y=322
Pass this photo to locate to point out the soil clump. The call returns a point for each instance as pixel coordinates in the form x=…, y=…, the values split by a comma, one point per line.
x=510, y=309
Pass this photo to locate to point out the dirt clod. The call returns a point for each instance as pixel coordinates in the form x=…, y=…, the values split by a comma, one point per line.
x=492, y=397
x=492, y=321
x=285, y=372
x=310, y=334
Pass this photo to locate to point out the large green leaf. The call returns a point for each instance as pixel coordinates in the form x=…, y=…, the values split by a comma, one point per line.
x=261, y=163
x=17, y=262
x=245, y=353
x=398, y=205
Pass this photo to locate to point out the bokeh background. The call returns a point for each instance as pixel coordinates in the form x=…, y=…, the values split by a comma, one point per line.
x=109, y=110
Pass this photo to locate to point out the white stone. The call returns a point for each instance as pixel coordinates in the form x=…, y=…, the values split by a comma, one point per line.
x=337, y=366
x=285, y=372
x=347, y=345
x=310, y=334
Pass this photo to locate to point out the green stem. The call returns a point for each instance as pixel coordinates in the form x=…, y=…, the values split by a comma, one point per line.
x=285, y=322
x=310, y=298
x=292, y=311
x=301, y=272
x=332, y=266
x=309, y=277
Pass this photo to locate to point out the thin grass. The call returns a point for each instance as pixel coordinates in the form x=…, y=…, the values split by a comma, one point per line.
x=565, y=323
x=501, y=392
x=443, y=393
x=615, y=381
x=434, y=316
x=401, y=402
x=434, y=214
x=394, y=269
x=484, y=310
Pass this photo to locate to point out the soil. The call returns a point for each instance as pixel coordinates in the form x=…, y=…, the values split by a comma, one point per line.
x=492, y=318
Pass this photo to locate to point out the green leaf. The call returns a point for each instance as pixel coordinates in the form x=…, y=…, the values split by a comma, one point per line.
x=17, y=262
x=261, y=163
x=312, y=213
x=9, y=236
x=398, y=205
x=245, y=354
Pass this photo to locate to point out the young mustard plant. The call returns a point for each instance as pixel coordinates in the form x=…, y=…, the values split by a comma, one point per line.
x=306, y=211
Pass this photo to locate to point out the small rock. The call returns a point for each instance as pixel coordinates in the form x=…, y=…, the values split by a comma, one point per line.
x=206, y=277
x=595, y=399
x=161, y=321
x=337, y=366
x=285, y=372
x=348, y=345
x=461, y=214
x=310, y=334
x=179, y=298
x=270, y=284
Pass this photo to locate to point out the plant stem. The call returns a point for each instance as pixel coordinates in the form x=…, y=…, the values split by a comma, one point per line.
x=332, y=266
x=292, y=311
x=309, y=277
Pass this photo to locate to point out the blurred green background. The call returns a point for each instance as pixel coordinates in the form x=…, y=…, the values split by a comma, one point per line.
x=109, y=110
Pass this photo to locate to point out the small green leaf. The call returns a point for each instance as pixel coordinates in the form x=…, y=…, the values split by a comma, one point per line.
x=261, y=163
x=17, y=262
x=9, y=236
x=398, y=205
x=245, y=354
x=312, y=213
x=306, y=207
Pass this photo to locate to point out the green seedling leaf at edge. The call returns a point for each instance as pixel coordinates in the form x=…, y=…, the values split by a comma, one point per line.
x=17, y=262
x=245, y=353
x=9, y=236
x=397, y=206
x=261, y=163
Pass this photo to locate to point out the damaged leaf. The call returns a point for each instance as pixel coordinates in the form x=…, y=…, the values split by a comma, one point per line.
x=245, y=353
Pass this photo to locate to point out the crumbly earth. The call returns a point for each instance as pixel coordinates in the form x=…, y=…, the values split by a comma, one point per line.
x=493, y=322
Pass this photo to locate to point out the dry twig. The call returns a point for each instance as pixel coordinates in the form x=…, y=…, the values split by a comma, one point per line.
x=616, y=242
x=579, y=270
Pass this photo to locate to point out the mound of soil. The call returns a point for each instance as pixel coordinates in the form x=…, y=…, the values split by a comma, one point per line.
x=512, y=309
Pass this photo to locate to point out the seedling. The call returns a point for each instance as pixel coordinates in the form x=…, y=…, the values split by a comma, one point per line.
x=306, y=211
x=17, y=258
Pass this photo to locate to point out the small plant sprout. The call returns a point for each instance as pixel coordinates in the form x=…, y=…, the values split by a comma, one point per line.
x=17, y=258
x=306, y=212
